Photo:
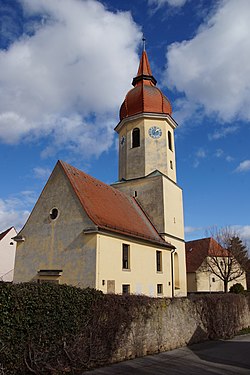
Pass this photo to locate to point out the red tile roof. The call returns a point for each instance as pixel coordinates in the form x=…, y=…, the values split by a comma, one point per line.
x=144, y=67
x=110, y=209
x=3, y=234
x=198, y=250
x=145, y=97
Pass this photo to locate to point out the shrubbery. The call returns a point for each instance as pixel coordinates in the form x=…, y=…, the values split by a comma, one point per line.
x=60, y=329
x=237, y=288
x=49, y=329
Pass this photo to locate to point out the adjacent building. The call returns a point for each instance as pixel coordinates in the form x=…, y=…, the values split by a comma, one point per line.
x=7, y=254
x=207, y=265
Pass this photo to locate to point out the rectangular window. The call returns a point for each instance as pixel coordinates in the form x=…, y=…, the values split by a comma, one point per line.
x=49, y=276
x=158, y=261
x=125, y=288
x=125, y=257
x=159, y=289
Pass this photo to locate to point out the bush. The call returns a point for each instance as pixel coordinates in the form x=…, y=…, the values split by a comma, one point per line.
x=38, y=322
x=237, y=288
x=59, y=329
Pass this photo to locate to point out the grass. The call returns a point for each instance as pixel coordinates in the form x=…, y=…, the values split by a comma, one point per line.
x=244, y=331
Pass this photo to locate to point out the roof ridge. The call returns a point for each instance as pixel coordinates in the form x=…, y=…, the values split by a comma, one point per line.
x=3, y=234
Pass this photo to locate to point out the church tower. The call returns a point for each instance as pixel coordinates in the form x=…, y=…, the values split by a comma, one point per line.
x=147, y=163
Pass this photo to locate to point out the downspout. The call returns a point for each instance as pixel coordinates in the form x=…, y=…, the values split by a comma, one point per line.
x=172, y=272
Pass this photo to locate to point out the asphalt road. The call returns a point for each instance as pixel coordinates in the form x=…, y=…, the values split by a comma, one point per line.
x=212, y=357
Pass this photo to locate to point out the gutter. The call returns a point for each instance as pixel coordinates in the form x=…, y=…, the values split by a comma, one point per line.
x=172, y=271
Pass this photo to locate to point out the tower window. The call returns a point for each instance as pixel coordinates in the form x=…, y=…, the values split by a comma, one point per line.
x=171, y=164
x=136, y=137
x=170, y=141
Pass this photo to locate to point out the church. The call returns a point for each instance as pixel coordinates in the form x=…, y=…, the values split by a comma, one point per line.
x=123, y=238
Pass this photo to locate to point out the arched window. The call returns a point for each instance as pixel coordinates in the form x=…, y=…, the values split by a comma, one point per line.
x=170, y=141
x=176, y=272
x=136, y=137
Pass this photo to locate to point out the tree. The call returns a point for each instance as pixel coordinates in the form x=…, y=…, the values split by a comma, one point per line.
x=227, y=257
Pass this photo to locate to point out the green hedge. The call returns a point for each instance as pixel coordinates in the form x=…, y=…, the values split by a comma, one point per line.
x=59, y=329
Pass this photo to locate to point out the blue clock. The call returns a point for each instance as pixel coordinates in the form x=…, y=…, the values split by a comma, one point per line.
x=155, y=132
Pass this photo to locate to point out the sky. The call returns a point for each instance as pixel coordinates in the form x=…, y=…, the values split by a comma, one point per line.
x=66, y=66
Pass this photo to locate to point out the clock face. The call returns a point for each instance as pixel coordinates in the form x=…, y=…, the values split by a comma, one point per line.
x=123, y=139
x=155, y=132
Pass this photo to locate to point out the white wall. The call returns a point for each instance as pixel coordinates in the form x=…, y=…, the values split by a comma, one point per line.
x=7, y=256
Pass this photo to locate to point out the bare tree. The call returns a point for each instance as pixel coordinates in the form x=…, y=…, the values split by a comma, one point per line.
x=228, y=256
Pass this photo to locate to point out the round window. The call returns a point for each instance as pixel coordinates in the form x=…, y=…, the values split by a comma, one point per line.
x=53, y=213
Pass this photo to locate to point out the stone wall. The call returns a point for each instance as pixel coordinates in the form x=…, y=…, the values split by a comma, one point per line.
x=169, y=324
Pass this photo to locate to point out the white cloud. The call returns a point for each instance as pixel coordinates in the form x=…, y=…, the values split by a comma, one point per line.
x=13, y=210
x=67, y=78
x=189, y=229
x=201, y=154
x=219, y=153
x=160, y=3
x=41, y=173
x=229, y=158
x=223, y=132
x=244, y=166
x=212, y=69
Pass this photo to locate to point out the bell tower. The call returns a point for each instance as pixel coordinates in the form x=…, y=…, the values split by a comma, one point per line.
x=147, y=162
x=146, y=129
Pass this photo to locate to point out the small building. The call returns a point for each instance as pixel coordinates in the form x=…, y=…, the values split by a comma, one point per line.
x=124, y=238
x=206, y=260
x=7, y=254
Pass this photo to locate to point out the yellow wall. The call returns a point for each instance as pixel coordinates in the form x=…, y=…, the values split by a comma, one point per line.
x=152, y=154
x=60, y=243
x=142, y=276
x=161, y=199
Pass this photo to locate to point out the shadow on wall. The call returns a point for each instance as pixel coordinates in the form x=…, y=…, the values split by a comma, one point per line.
x=199, y=336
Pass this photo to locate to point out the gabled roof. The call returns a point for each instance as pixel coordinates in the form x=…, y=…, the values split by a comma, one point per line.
x=198, y=250
x=3, y=234
x=110, y=209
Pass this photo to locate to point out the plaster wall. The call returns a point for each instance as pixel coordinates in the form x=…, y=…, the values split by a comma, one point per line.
x=149, y=194
x=170, y=324
x=152, y=154
x=173, y=209
x=142, y=275
x=208, y=282
x=161, y=199
x=60, y=243
x=7, y=256
x=204, y=280
x=191, y=282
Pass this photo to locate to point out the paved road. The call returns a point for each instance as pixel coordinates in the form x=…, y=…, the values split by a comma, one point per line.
x=213, y=357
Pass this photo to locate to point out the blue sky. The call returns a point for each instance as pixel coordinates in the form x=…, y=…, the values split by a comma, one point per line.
x=65, y=67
